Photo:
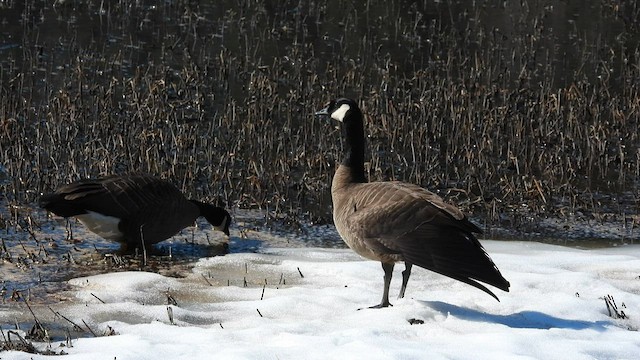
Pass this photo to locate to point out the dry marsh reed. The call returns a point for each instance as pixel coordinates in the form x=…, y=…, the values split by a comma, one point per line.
x=517, y=113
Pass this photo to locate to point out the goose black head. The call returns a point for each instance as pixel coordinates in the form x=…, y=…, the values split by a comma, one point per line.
x=347, y=112
x=216, y=216
x=339, y=109
x=226, y=221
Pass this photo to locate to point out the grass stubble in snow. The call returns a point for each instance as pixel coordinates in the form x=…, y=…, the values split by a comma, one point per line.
x=289, y=303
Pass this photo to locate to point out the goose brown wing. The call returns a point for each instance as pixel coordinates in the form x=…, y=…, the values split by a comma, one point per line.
x=407, y=220
x=391, y=209
x=112, y=196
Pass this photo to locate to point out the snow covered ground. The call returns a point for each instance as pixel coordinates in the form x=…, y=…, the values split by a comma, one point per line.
x=302, y=303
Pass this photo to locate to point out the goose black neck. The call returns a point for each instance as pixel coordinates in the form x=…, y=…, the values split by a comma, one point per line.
x=215, y=215
x=204, y=208
x=354, y=135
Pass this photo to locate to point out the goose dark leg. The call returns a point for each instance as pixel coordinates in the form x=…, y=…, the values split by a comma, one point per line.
x=405, y=278
x=388, y=272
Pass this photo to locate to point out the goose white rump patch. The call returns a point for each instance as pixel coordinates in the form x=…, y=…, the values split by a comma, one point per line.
x=103, y=225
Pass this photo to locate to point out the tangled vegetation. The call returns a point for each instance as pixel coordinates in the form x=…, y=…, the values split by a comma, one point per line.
x=518, y=112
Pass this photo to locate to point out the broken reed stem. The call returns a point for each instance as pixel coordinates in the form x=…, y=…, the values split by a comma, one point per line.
x=22, y=340
x=144, y=247
x=92, y=294
x=263, y=287
x=5, y=251
x=89, y=328
x=170, y=314
x=32, y=313
x=206, y=280
x=75, y=326
x=171, y=300
x=300, y=272
x=259, y=313
x=612, y=307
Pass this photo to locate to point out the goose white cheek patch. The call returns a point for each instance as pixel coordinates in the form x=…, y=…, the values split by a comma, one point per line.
x=339, y=113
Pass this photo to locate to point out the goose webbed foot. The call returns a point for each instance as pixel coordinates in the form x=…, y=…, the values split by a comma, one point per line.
x=381, y=305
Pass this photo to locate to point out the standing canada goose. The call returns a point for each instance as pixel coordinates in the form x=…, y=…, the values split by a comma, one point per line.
x=135, y=210
x=391, y=221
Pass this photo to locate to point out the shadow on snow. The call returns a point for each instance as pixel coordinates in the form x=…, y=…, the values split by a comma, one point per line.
x=520, y=320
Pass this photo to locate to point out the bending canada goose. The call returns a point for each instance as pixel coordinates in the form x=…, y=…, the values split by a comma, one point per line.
x=394, y=221
x=135, y=210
